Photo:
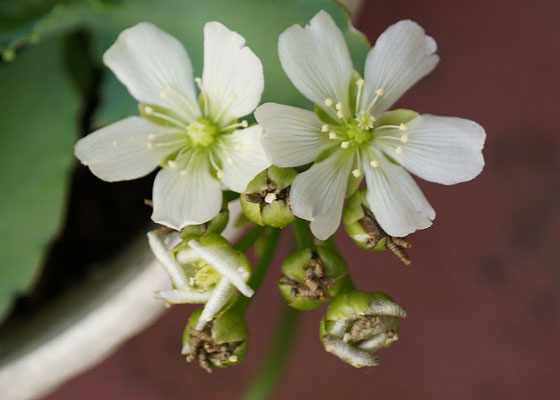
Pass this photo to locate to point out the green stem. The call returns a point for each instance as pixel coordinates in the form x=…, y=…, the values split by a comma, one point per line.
x=249, y=239
x=261, y=267
x=265, y=382
x=302, y=234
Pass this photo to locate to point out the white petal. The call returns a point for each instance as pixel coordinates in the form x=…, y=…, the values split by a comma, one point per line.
x=221, y=295
x=445, y=150
x=346, y=352
x=222, y=261
x=292, y=136
x=317, y=194
x=395, y=199
x=243, y=157
x=155, y=68
x=172, y=268
x=120, y=151
x=233, y=78
x=402, y=55
x=317, y=61
x=187, y=195
x=175, y=296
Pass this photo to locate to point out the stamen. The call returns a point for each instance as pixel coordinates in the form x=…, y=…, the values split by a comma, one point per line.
x=340, y=114
x=220, y=174
x=325, y=128
x=198, y=82
x=380, y=92
x=356, y=173
x=338, y=106
x=270, y=197
x=332, y=135
x=242, y=124
x=172, y=164
x=398, y=150
x=345, y=145
x=360, y=85
x=328, y=102
x=404, y=138
x=403, y=127
x=148, y=110
x=374, y=163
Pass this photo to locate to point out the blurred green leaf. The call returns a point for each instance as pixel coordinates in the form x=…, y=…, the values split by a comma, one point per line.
x=260, y=22
x=38, y=112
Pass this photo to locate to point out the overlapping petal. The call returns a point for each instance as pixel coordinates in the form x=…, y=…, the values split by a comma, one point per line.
x=120, y=151
x=445, y=150
x=233, y=78
x=317, y=194
x=292, y=136
x=395, y=199
x=317, y=61
x=187, y=194
x=402, y=55
x=155, y=68
x=243, y=157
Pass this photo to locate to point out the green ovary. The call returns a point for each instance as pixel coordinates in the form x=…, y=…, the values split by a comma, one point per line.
x=206, y=277
x=357, y=135
x=202, y=132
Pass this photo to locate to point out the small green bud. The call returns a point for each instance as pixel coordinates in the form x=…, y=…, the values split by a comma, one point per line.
x=357, y=324
x=361, y=225
x=310, y=279
x=215, y=225
x=221, y=343
x=265, y=202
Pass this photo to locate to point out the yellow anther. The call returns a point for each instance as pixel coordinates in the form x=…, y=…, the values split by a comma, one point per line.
x=340, y=114
x=244, y=124
x=325, y=128
x=269, y=198
x=198, y=80
x=148, y=110
x=328, y=102
x=344, y=145
x=360, y=83
x=404, y=138
x=374, y=163
x=380, y=92
x=332, y=136
x=356, y=173
x=338, y=106
x=220, y=174
x=403, y=127
x=115, y=143
x=398, y=150
x=233, y=359
x=172, y=164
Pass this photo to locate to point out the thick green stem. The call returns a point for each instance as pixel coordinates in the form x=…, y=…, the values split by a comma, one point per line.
x=262, y=266
x=265, y=382
x=249, y=239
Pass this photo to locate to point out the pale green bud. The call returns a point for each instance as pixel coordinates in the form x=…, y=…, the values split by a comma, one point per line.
x=310, y=278
x=265, y=202
x=221, y=343
x=357, y=324
x=361, y=225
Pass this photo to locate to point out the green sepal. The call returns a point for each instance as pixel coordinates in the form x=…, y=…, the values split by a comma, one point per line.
x=395, y=117
x=348, y=305
x=324, y=116
x=352, y=214
x=277, y=214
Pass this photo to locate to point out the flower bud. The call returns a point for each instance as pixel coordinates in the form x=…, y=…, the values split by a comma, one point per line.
x=265, y=202
x=220, y=343
x=309, y=278
x=361, y=225
x=357, y=324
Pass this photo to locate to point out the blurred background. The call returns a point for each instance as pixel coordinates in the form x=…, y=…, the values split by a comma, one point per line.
x=482, y=292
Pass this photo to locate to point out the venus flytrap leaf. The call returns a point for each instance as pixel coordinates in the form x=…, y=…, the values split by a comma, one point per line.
x=351, y=135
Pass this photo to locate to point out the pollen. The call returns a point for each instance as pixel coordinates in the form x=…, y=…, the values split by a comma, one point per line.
x=340, y=114
x=404, y=138
x=198, y=82
x=374, y=163
x=344, y=145
x=233, y=359
x=403, y=127
x=360, y=83
x=338, y=106
x=328, y=102
x=148, y=110
x=357, y=173
x=332, y=135
x=172, y=164
x=380, y=92
x=270, y=198
x=398, y=150
x=244, y=124
x=325, y=128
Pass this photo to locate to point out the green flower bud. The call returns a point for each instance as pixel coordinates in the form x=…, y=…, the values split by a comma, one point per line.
x=361, y=225
x=221, y=343
x=309, y=278
x=215, y=225
x=265, y=202
x=357, y=324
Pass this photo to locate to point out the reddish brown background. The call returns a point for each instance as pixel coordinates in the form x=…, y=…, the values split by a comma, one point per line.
x=483, y=290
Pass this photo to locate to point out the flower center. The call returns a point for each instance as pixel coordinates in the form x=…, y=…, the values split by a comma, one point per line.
x=202, y=132
x=357, y=134
x=206, y=277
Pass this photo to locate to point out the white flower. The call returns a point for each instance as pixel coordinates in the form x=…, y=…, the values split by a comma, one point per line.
x=351, y=135
x=199, y=143
x=206, y=271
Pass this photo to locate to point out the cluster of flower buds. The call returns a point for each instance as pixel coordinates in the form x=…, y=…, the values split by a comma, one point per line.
x=365, y=231
x=311, y=278
x=265, y=201
x=357, y=324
